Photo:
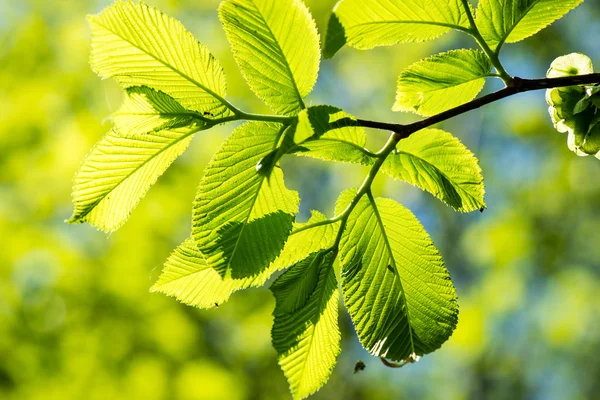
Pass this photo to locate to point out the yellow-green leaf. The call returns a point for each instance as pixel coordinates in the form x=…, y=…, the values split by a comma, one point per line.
x=439, y=163
x=276, y=45
x=118, y=172
x=328, y=133
x=511, y=21
x=187, y=277
x=305, y=331
x=395, y=285
x=442, y=82
x=365, y=24
x=138, y=45
x=242, y=218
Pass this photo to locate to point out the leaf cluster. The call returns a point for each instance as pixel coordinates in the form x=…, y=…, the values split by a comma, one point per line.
x=392, y=279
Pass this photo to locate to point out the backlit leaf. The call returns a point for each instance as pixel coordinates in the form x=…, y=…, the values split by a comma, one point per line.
x=511, y=21
x=365, y=24
x=242, y=218
x=439, y=163
x=146, y=110
x=306, y=241
x=138, y=45
x=276, y=45
x=118, y=172
x=187, y=277
x=442, y=82
x=305, y=331
x=328, y=133
x=395, y=285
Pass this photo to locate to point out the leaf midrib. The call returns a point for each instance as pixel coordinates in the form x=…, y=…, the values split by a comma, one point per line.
x=408, y=21
x=393, y=261
x=476, y=78
x=356, y=146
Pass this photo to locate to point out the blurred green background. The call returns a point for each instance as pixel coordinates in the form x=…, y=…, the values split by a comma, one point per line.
x=77, y=320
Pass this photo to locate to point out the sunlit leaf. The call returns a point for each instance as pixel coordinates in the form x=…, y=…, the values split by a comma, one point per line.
x=306, y=241
x=395, y=285
x=187, y=277
x=305, y=331
x=242, y=218
x=511, y=21
x=365, y=24
x=138, y=45
x=328, y=133
x=439, y=163
x=118, y=172
x=146, y=110
x=276, y=45
x=442, y=82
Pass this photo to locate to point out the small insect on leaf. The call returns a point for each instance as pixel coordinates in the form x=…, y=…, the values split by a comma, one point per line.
x=359, y=366
x=390, y=268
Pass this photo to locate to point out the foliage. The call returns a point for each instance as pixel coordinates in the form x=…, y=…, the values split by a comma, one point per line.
x=393, y=281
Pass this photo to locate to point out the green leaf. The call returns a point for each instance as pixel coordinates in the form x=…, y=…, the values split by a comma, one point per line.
x=365, y=24
x=327, y=133
x=187, y=277
x=242, y=218
x=442, y=82
x=146, y=110
x=118, y=172
x=302, y=242
x=395, y=285
x=511, y=21
x=137, y=45
x=439, y=163
x=305, y=331
x=276, y=45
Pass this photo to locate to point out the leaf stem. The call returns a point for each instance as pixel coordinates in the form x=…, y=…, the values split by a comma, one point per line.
x=261, y=117
x=317, y=224
x=365, y=188
x=493, y=56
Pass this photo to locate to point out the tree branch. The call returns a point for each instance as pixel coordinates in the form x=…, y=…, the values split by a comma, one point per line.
x=518, y=85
